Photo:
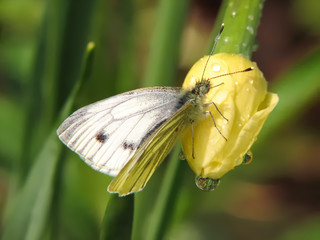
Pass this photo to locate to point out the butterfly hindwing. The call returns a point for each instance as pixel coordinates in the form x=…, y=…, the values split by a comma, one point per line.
x=106, y=134
x=138, y=170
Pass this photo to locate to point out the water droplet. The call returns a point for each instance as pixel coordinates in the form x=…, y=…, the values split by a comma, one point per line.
x=192, y=79
x=247, y=158
x=207, y=184
x=251, y=81
x=201, y=59
x=236, y=83
x=238, y=161
x=247, y=89
x=261, y=6
x=234, y=13
x=244, y=44
x=250, y=29
x=250, y=17
x=216, y=68
x=226, y=39
x=240, y=124
x=181, y=156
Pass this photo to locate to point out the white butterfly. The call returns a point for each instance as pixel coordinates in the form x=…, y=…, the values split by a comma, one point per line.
x=129, y=135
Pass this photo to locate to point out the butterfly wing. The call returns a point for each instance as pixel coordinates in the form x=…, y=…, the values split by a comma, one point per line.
x=106, y=134
x=135, y=174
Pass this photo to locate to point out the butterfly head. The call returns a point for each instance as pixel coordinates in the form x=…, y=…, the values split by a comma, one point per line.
x=201, y=88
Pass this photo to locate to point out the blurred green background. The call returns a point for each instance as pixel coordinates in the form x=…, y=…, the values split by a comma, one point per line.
x=42, y=47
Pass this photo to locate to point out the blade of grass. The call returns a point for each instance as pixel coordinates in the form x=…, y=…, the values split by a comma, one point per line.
x=165, y=44
x=28, y=214
x=119, y=212
x=165, y=203
x=56, y=68
x=162, y=64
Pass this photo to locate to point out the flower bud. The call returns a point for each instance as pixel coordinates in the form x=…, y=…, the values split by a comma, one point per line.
x=239, y=104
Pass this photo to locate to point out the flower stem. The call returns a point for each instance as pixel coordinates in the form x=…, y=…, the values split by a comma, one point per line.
x=241, y=19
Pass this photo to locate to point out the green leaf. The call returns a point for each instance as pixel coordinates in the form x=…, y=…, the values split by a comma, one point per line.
x=119, y=212
x=28, y=212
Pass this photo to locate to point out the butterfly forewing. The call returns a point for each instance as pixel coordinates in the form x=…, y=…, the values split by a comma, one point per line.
x=107, y=134
x=138, y=170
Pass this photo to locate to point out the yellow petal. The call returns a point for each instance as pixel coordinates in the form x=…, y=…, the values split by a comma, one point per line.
x=242, y=99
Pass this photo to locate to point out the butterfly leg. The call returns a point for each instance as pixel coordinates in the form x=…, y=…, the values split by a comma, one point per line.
x=215, y=105
x=215, y=125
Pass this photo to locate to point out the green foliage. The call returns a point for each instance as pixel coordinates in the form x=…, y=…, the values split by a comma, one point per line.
x=48, y=70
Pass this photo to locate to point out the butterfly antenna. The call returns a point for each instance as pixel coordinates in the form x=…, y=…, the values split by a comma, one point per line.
x=217, y=39
x=213, y=48
x=227, y=74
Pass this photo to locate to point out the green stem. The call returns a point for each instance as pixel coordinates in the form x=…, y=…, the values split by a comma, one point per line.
x=241, y=19
x=161, y=69
x=165, y=204
x=117, y=208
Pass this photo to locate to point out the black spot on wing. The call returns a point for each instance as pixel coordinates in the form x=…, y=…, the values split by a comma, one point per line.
x=127, y=145
x=102, y=137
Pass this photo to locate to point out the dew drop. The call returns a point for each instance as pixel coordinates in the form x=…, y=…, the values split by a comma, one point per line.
x=181, y=156
x=247, y=158
x=250, y=29
x=261, y=6
x=216, y=68
x=236, y=83
x=206, y=184
x=226, y=39
x=234, y=13
x=251, y=81
x=239, y=161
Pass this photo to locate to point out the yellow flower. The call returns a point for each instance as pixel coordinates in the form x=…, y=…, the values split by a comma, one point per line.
x=243, y=104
